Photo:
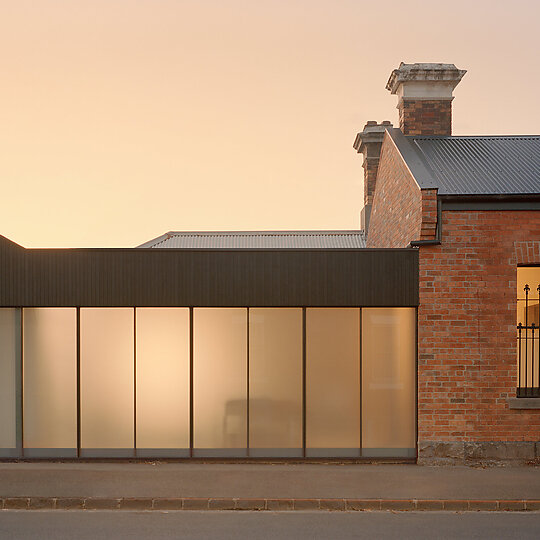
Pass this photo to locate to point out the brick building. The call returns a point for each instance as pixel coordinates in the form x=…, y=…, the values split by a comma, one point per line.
x=471, y=206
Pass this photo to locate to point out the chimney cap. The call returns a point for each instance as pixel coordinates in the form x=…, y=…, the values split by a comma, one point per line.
x=448, y=74
x=372, y=133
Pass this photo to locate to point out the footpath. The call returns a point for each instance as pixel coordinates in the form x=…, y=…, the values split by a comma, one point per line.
x=266, y=487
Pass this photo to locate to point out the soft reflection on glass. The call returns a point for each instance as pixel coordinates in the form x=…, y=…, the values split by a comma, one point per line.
x=275, y=378
x=528, y=276
x=220, y=377
x=50, y=377
x=107, y=378
x=333, y=380
x=163, y=378
x=388, y=380
x=528, y=313
x=8, y=350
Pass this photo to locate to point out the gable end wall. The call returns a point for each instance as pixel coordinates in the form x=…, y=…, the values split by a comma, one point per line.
x=396, y=216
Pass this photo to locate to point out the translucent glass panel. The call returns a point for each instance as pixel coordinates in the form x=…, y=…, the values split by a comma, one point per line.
x=528, y=276
x=50, y=381
x=9, y=351
x=275, y=382
x=107, y=371
x=220, y=381
x=333, y=382
x=388, y=382
x=162, y=381
x=138, y=371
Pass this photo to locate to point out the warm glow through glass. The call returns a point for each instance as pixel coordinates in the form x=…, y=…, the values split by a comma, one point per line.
x=220, y=378
x=107, y=370
x=275, y=378
x=162, y=378
x=8, y=348
x=333, y=381
x=388, y=379
x=50, y=377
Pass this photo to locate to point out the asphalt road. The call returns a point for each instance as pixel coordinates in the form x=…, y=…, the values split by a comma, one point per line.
x=117, y=525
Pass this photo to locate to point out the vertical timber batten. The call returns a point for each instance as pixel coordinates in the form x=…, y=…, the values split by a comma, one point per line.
x=203, y=278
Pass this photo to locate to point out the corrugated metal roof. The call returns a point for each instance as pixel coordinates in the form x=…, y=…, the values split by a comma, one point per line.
x=482, y=165
x=259, y=240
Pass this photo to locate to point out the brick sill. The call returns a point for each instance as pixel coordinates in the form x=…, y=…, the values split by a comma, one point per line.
x=523, y=403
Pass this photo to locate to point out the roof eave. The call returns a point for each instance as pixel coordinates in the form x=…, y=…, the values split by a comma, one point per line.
x=495, y=201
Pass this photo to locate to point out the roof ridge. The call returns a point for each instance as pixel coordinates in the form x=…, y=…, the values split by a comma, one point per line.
x=265, y=233
x=451, y=137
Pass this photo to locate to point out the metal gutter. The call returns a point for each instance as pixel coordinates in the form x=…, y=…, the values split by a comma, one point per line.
x=523, y=201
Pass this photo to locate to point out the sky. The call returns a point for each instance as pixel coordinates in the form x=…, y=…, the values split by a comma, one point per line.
x=123, y=119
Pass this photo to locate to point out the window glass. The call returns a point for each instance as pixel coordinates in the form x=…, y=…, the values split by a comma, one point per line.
x=275, y=381
x=9, y=350
x=220, y=381
x=528, y=310
x=388, y=382
x=107, y=371
x=528, y=336
x=50, y=381
x=162, y=380
x=333, y=381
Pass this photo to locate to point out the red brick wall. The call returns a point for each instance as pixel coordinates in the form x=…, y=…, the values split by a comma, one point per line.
x=425, y=117
x=370, y=176
x=396, y=216
x=428, y=227
x=466, y=327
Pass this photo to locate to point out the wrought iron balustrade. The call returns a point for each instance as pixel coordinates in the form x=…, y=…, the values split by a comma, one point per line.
x=528, y=338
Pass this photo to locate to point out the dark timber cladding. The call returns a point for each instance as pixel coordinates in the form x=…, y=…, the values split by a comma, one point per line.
x=213, y=278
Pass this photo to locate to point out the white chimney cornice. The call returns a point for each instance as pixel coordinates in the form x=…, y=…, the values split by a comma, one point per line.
x=424, y=81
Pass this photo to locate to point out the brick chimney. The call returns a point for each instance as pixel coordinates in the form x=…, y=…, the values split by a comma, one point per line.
x=425, y=97
x=369, y=142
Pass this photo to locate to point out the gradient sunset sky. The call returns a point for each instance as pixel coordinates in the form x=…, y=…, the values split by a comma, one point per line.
x=124, y=119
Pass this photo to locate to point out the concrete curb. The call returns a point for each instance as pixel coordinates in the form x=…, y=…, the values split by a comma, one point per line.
x=273, y=505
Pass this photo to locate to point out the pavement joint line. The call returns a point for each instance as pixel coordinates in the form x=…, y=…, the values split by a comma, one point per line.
x=267, y=504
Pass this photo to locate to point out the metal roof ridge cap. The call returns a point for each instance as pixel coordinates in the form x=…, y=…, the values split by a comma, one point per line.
x=450, y=137
x=247, y=249
x=413, y=159
x=275, y=233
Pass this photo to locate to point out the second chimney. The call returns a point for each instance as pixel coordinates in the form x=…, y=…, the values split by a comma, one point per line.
x=425, y=97
x=369, y=142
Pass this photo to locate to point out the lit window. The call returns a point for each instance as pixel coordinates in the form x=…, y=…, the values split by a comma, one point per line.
x=528, y=334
